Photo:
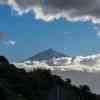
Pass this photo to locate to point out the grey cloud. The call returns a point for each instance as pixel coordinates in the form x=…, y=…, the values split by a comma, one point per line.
x=2, y=35
x=25, y=4
x=73, y=10
x=3, y=1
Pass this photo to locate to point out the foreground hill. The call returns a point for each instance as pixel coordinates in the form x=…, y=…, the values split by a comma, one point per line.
x=82, y=77
x=40, y=84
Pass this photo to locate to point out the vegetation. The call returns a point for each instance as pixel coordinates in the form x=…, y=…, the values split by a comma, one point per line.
x=16, y=84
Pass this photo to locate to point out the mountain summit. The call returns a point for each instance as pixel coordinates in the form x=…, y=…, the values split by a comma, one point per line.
x=46, y=55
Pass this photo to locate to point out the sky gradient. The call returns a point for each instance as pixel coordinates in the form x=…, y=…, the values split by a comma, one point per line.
x=26, y=36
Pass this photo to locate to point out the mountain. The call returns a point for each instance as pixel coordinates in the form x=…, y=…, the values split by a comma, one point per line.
x=83, y=69
x=53, y=60
x=46, y=55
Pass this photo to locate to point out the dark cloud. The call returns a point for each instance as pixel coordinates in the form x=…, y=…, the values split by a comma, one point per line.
x=73, y=10
x=25, y=4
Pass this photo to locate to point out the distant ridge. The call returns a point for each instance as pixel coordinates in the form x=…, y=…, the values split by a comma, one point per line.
x=46, y=55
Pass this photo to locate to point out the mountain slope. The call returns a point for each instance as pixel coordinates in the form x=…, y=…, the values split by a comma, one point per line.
x=46, y=55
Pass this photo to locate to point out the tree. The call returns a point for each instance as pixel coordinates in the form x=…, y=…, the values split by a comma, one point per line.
x=85, y=88
x=3, y=60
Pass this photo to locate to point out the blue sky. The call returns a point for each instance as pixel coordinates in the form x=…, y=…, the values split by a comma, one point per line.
x=31, y=36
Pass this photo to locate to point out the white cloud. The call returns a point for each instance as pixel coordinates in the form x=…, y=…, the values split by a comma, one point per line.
x=98, y=33
x=48, y=10
x=97, y=30
x=10, y=43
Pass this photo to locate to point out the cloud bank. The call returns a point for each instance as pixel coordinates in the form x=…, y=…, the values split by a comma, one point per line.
x=48, y=10
x=78, y=63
